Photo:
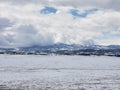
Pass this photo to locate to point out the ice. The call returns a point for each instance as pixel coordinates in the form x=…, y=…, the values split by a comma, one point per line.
x=32, y=72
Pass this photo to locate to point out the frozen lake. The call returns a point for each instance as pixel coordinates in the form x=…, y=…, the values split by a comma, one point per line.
x=59, y=72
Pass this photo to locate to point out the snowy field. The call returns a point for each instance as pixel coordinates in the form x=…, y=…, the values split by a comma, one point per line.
x=26, y=72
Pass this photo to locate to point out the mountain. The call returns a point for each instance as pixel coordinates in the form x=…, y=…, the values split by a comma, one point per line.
x=114, y=46
x=65, y=49
x=62, y=46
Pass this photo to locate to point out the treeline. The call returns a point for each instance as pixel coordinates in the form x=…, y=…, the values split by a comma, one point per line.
x=85, y=52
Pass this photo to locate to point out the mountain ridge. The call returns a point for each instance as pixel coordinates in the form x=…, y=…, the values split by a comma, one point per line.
x=63, y=46
x=64, y=49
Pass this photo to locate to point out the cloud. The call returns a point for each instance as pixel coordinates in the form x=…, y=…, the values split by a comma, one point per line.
x=56, y=24
x=4, y=23
x=107, y=4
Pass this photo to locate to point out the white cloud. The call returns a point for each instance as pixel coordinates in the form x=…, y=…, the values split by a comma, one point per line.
x=4, y=22
x=108, y=4
x=29, y=27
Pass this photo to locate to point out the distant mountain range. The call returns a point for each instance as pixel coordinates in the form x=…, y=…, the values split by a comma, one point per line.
x=65, y=49
x=62, y=46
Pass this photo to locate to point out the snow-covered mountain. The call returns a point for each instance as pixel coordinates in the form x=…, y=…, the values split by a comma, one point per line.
x=64, y=49
x=62, y=46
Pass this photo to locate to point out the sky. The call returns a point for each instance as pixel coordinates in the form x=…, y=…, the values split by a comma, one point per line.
x=47, y=22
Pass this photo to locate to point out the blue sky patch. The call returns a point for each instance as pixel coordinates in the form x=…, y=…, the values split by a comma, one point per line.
x=76, y=13
x=109, y=35
x=48, y=10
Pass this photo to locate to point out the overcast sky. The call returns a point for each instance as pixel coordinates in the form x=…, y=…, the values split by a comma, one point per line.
x=46, y=22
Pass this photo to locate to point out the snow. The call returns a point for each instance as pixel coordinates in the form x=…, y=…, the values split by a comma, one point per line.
x=30, y=72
